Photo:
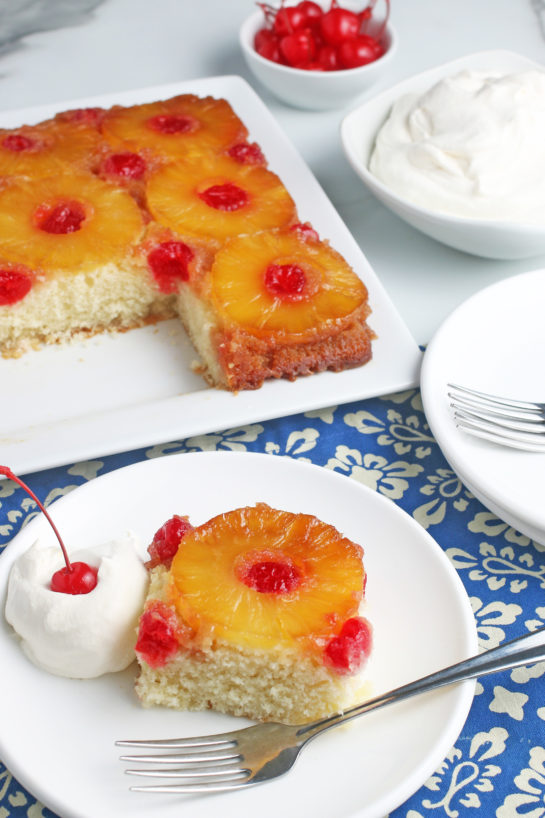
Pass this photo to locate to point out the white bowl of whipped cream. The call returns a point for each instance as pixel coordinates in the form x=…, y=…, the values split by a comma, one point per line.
x=458, y=152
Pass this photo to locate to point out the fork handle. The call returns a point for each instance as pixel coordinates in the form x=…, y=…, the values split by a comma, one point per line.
x=520, y=651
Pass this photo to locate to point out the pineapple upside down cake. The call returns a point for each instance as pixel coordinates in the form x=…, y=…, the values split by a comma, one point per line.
x=115, y=218
x=256, y=613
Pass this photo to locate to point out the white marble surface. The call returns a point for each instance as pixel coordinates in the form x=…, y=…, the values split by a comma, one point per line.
x=125, y=44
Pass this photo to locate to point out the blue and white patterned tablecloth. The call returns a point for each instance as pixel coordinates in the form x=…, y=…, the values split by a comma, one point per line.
x=497, y=767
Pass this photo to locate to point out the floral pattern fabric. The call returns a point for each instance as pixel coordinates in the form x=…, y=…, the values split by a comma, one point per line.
x=497, y=766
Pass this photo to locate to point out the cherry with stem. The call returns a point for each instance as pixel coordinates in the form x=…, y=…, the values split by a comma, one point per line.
x=307, y=35
x=75, y=577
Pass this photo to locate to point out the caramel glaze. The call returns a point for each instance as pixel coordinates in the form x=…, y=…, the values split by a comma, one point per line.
x=248, y=360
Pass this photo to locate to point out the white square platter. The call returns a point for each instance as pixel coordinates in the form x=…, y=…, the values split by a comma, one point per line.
x=117, y=392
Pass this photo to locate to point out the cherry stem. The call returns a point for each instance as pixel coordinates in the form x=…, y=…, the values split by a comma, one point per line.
x=269, y=13
x=366, y=17
x=8, y=473
x=378, y=34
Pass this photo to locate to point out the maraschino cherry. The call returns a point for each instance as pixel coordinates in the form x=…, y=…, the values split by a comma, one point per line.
x=15, y=283
x=308, y=37
x=271, y=576
x=75, y=577
x=348, y=651
x=166, y=540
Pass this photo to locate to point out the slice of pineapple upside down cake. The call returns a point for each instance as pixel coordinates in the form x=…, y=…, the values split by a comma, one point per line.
x=257, y=613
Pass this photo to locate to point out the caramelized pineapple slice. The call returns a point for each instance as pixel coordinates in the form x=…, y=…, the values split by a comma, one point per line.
x=216, y=197
x=44, y=150
x=260, y=577
x=72, y=223
x=282, y=282
x=176, y=127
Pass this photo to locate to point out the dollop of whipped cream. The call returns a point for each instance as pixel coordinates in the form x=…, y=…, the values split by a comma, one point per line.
x=471, y=146
x=84, y=635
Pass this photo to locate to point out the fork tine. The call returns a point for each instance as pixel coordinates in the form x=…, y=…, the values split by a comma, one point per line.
x=206, y=786
x=242, y=758
x=217, y=773
x=495, y=410
x=184, y=758
x=525, y=415
x=500, y=422
x=496, y=400
x=504, y=437
x=225, y=739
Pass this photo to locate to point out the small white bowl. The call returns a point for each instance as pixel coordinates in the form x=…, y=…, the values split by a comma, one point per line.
x=480, y=237
x=313, y=90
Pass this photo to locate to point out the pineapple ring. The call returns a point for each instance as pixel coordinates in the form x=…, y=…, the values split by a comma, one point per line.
x=239, y=284
x=176, y=194
x=43, y=150
x=111, y=223
x=210, y=595
x=205, y=124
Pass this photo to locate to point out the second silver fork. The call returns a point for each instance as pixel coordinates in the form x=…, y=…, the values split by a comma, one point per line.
x=512, y=423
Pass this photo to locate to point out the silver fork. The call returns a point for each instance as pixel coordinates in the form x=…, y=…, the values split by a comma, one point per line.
x=518, y=424
x=253, y=755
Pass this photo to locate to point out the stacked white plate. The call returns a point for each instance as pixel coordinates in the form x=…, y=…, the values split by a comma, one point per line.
x=494, y=342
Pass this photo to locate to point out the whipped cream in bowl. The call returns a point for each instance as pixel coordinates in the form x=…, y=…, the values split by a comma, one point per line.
x=79, y=636
x=471, y=146
x=457, y=152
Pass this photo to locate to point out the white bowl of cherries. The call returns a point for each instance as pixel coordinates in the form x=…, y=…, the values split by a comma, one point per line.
x=318, y=56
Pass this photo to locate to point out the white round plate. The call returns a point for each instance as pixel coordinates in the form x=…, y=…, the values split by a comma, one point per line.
x=493, y=342
x=58, y=735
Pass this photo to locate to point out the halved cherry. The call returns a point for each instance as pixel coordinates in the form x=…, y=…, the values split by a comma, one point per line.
x=15, y=283
x=347, y=652
x=127, y=165
x=158, y=636
x=169, y=263
x=305, y=230
x=166, y=541
x=61, y=217
x=286, y=281
x=271, y=576
x=226, y=196
x=171, y=123
x=17, y=142
x=247, y=153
